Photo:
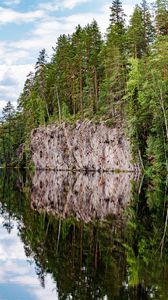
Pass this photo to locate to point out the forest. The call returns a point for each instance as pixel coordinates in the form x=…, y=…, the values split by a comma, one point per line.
x=119, y=78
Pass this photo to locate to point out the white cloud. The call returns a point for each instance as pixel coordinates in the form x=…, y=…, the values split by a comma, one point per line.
x=12, y=2
x=128, y=9
x=65, y=4
x=49, y=6
x=12, y=16
x=10, y=250
x=15, y=74
x=72, y=3
x=46, y=32
x=10, y=56
x=16, y=270
x=33, y=287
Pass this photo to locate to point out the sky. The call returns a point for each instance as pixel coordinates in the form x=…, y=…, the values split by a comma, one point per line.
x=27, y=26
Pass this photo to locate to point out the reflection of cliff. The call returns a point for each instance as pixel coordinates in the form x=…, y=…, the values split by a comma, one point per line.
x=83, y=196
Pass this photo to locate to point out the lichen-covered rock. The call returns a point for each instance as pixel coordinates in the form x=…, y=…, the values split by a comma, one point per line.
x=83, y=196
x=85, y=146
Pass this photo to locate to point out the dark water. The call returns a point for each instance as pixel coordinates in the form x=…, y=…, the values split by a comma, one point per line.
x=78, y=236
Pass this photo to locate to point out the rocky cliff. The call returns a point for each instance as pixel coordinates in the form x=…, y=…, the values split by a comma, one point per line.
x=84, y=146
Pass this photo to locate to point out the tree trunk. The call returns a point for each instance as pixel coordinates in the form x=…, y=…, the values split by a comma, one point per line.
x=96, y=89
x=164, y=112
x=59, y=106
x=81, y=93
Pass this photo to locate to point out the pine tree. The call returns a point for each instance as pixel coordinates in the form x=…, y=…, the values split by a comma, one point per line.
x=80, y=62
x=62, y=72
x=93, y=45
x=161, y=18
x=40, y=80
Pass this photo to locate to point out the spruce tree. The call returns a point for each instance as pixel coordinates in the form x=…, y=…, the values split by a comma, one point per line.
x=117, y=13
x=116, y=30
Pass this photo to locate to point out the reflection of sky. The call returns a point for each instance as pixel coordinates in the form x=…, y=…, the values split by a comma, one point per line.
x=18, y=280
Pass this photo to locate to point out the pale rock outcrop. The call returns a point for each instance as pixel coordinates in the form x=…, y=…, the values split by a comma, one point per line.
x=83, y=196
x=84, y=146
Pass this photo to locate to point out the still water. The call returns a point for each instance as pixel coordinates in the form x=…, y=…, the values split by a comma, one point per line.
x=83, y=236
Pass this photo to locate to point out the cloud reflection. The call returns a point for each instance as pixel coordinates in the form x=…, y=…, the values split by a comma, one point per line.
x=17, y=273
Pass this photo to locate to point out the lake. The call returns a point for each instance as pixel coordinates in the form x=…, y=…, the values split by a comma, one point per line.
x=83, y=236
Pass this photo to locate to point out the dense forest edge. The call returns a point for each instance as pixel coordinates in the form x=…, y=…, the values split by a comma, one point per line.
x=119, y=79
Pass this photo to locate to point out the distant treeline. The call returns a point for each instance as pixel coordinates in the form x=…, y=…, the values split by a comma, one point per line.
x=120, y=78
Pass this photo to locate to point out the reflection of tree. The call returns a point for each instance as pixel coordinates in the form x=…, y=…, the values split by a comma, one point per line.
x=7, y=195
x=89, y=261
x=83, y=255
x=8, y=225
x=146, y=229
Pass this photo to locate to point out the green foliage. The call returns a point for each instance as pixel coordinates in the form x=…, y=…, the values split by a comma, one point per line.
x=141, y=31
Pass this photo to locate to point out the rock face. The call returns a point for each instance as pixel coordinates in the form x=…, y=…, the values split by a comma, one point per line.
x=85, y=146
x=83, y=196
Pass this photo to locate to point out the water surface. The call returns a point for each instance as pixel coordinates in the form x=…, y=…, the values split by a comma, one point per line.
x=82, y=236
